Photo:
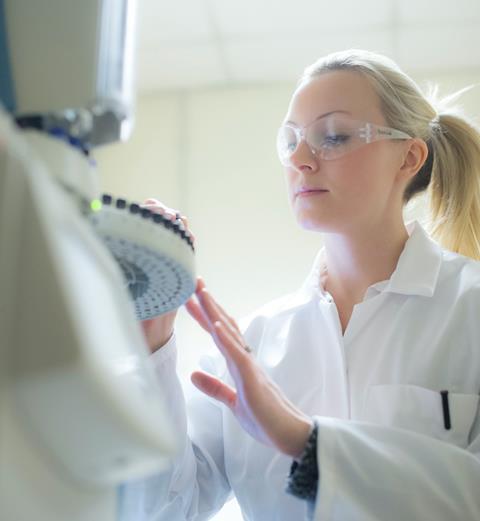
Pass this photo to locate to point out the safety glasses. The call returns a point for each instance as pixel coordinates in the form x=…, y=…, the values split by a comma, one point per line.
x=331, y=137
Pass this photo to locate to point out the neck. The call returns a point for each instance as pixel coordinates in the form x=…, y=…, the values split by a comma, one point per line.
x=357, y=259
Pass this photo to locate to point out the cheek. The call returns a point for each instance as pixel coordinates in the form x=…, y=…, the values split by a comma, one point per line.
x=293, y=180
x=361, y=174
x=353, y=179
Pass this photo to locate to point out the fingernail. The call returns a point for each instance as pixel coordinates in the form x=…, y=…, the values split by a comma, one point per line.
x=157, y=208
x=204, y=293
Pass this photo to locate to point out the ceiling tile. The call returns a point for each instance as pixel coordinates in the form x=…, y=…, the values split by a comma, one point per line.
x=439, y=46
x=190, y=43
x=302, y=17
x=421, y=11
x=285, y=59
x=181, y=20
x=179, y=67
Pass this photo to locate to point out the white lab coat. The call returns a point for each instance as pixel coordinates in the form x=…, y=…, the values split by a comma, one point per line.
x=383, y=450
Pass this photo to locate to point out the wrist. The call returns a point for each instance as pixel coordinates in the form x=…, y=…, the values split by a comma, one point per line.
x=303, y=430
x=304, y=474
x=159, y=344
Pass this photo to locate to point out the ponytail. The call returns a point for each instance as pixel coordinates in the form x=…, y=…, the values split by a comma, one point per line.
x=454, y=189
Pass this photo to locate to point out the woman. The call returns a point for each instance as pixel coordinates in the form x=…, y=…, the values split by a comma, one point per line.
x=360, y=391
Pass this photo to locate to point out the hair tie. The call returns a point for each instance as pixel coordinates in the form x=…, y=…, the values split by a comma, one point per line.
x=434, y=124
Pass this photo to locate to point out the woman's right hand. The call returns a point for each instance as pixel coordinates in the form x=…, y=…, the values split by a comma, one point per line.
x=158, y=330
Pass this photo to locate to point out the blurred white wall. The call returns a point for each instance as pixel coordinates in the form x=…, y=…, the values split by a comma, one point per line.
x=210, y=154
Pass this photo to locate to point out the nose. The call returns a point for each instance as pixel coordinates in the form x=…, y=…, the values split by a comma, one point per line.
x=303, y=157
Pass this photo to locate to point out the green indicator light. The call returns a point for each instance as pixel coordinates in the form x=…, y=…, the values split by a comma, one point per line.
x=96, y=205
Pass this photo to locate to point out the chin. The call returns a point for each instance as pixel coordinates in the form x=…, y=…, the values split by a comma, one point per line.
x=312, y=225
x=317, y=224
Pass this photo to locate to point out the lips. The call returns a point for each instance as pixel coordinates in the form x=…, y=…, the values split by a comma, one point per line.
x=309, y=190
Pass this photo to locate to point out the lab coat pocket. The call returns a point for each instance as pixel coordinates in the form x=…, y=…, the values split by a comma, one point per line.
x=422, y=410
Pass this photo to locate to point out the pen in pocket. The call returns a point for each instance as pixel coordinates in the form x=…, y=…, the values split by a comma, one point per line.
x=446, y=409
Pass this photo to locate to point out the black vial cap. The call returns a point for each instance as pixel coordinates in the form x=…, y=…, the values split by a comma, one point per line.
x=134, y=208
x=146, y=213
x=121, y=203
x=106, y=199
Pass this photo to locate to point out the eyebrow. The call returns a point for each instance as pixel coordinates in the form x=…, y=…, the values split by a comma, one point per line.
x=322, y=116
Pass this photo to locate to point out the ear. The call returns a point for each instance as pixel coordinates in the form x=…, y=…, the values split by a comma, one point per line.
x=414, y=156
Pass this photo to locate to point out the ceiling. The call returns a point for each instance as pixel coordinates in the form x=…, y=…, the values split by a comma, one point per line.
x=198, y=43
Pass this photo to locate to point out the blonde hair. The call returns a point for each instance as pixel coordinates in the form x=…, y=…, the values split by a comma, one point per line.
x=451, y=173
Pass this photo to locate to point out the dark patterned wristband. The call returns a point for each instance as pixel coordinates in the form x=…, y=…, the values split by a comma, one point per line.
x=302, y=481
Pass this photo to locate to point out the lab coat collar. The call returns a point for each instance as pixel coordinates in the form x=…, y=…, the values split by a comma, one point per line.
x=416, y=272
x=418, y=266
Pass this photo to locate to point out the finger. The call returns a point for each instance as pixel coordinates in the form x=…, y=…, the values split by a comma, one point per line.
x=196, y=310
x=205, y=300
x=154, y=204
x=155, y=208
x=214, y=387
x=198, y=314
x=216, y=312
x=184, y=222
x=158, y=207
x=230, y=345
x=230, y=320
x=200, y=283
x=205, y=322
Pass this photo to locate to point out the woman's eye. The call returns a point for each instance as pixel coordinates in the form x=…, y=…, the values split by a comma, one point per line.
x=335, y=140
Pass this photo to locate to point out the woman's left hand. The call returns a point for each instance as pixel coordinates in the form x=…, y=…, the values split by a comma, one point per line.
x=257, y=402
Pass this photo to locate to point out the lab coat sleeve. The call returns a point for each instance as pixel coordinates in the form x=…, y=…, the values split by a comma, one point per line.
x=373, y=472
x=195, y=486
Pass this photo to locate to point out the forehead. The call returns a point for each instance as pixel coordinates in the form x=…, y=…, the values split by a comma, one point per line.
x=335, y=90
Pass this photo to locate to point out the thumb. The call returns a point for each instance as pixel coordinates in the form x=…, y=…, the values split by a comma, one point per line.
x=214, y=387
